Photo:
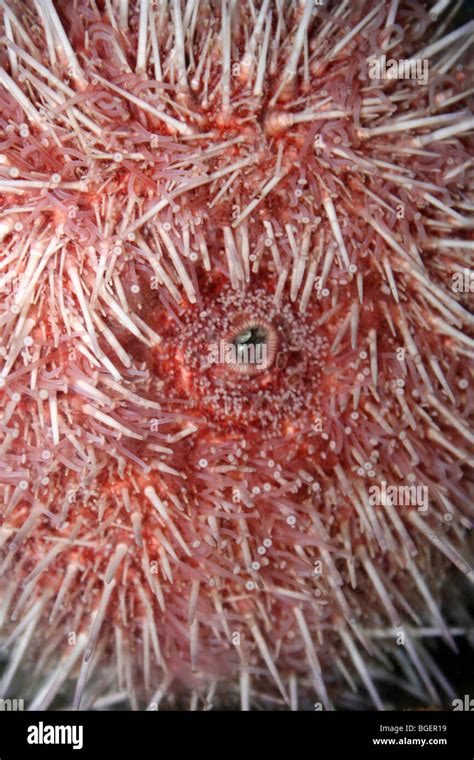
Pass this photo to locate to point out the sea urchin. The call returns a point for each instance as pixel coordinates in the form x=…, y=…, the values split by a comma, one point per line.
x=235, y=364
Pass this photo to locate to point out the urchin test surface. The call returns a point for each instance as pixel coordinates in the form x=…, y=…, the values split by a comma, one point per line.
x=172, y=530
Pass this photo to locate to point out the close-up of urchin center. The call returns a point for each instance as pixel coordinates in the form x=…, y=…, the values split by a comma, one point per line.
x=236, y=354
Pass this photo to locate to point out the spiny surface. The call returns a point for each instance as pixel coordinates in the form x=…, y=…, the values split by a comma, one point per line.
x=173, y=529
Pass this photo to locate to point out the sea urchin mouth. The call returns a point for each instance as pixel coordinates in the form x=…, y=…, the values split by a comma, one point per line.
x=251, y=348
x=288, y=378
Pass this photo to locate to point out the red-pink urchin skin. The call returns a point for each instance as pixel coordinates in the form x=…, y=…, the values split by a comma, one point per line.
x=174, y=530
